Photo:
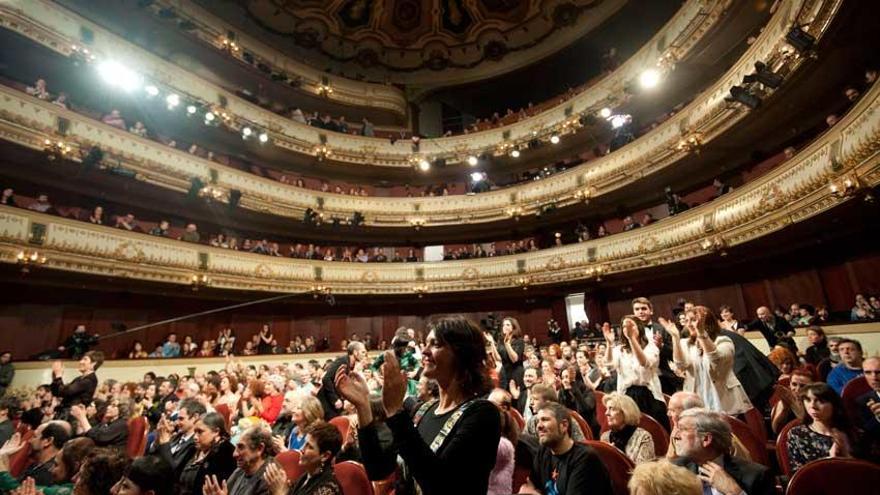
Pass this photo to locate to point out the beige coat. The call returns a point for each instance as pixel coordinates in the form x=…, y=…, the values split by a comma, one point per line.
x=710, y=375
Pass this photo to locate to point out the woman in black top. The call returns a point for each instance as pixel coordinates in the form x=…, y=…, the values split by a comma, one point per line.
x=818, y=349
x=323, y=442
x=213, y=455
x=512, y=351
x=449, y=445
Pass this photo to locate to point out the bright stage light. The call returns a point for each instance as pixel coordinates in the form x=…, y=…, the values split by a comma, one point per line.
x=424, y=165
x=514, y=153
x=172, y=100
x=554, y=139
x=605, y=113
x=119, y=76
x=191, y=109
x=478, y=176
x=263, y=137
x=619, y=121
x=209, y=117
x=246, y=132
x=649, y=79
x=151, y=91
x=472, y=161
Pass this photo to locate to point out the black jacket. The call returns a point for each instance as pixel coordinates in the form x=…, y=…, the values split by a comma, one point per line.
x=779, y=332
x=218, y=462
x=113, y=434
x=79, y=391
x=327, y=393
x=755, y=372
x=752, y=477
x=177, y=457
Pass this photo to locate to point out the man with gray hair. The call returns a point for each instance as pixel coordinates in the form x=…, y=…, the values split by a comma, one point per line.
x=704, y=441
x=682, y=401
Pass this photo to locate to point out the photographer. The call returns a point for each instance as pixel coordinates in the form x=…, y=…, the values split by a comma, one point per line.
x=78, y=343
x=403, y=347
x=554, y=331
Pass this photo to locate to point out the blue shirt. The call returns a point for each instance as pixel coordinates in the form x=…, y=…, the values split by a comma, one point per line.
x=840, y=375
x=170, y=349
x=296, y=442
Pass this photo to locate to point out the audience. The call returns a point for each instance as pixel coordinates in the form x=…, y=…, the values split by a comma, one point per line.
x=663, y=478
x=850, y=366
x=825, y=429
x=623, y=418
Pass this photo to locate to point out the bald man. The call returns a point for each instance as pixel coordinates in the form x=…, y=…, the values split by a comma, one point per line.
x=775, y=329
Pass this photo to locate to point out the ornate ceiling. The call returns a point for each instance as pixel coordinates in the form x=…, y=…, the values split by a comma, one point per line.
x=414, y=41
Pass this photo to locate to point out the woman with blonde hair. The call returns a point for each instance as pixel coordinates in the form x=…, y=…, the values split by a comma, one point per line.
x=706, y=357
x=623, y=417
x=307, y=411
x=663, y=478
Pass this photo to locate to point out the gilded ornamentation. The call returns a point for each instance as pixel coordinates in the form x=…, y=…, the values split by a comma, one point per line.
x=129, y=251
x=470, y=274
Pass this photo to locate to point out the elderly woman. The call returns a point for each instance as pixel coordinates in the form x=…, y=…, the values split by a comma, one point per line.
x=825, y=429
x=307, y=411
x=663, y=478
x=623, y=417
x=213, y=455
x=459, y=433
x=112, y=431
x=706, y=357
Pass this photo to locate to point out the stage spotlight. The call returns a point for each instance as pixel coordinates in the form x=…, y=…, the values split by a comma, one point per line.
x=605, y=113
x=649, y=78
x=472, y=161
x=209, y=117
x=152, y=91
x=246, y=132
x=263, y=137
x=515, y=153
x=801, y=40
x=424, y=165
x=764, y=76
x=739, y=94
x=619, y=121
x=172, y=101
x=191, y=109
x=478, y=176
x=554, y=139
x=117, y=75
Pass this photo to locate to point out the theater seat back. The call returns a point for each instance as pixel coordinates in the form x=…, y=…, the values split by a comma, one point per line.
x=582, y=423
x=619, y=466
x=782, y=455
x=757, y=448
x=518, y=418
x=137, y=437
x=658, y=433
x=223, y=410
x=344, y=426
x=835, y=475
x=600, y=411
x=353, y=478
x=854, y=389
x=289, y=461
x=21, y=459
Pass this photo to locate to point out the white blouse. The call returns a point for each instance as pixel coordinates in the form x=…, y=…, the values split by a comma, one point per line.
x=630, y=372
x=710, y=375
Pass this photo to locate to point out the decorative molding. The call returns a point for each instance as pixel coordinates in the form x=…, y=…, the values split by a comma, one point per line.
x=793, y=192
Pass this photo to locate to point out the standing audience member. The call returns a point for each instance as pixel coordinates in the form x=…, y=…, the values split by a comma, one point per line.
x=512, y=351
x=81, y=389
x=331, y=403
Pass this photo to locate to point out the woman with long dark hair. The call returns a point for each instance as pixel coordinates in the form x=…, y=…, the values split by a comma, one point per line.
x=825, y=429
x=213, y=454
x=448, y=445
x=512, y=350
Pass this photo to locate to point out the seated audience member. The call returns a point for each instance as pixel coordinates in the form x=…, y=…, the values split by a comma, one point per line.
x=148, y=475
x=307, y=411
x=833, y=341
x=623, y=417
x=825, y=429
x=501, y=478
x=114, y=119
x=213, y=457
x=112, y=431
x=253, y=454
x=539, y=396
x=46, y=444
x=67, y=463
x=663, y=478
x=160, y=230
x=97, y=216
x=818, y=349
x=850, y=364
x=9, y=409
x=81, y=389
x=127, y=222
x=318, y=455
x=100, y=471
x=703, y=440
x=42, y=204
x=191, y=234
x=39, y=90
x=177, y=445
x=790, y=406
x=8, y=198
x=562, y=466
x=869, y=411
x=139, y=129
x=171, y=348
x=577, y=396
x=784, y=360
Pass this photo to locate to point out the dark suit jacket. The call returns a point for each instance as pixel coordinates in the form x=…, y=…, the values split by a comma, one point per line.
x=327, y=393
x=752, y=477
x=179, y=457
x=780, y=330
x=79, y=391
x=755, y=372
x=869, y=426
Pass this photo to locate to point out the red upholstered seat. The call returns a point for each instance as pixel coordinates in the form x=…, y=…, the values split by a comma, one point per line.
x=757, y=448
x=600, y=411
x=835, y=475
x=854, y=389
x=352, y=478
x=21, y=459
x=778, y=392
x=582, y=423
x=137, y=437
x=223, y=410
x=518, y=418
x=782, y=455
x=658, y=433
x=619, y=466
x=344, y=426
x=755, y=420
x=824, y=368
x=289, y=460
x=785, y=381
x=386, y=486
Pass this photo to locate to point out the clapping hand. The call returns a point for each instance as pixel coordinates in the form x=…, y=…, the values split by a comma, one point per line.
x=27, y=487
x=214, y=487
x=57, y=368
x=13, y=445
x=608, y=333
x=394, y=389
x=352, y=387
x=514, y=389
x=670, y=327
x=276, y=479
x=630, y=330
x=278, y=441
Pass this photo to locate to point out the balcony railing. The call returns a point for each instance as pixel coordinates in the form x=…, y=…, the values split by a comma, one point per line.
x=830, y=171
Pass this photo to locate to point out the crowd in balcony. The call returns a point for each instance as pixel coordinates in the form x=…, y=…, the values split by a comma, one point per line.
x=627, y=402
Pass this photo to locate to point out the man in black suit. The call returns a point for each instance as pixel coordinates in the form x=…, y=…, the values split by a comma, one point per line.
x=81, y=389
x=755, y=372
x=330, y=400
x=703, y=441
x=869, y=411
x=775, y=329
x=178, y=448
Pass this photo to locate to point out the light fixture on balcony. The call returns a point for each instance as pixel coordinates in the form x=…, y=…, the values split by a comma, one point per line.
x=714, y=243
x=229, y=44
x=472, y=161
x=321, y=151
x=55, y=149
x=420, y=290
x=846, y=186
x=595, y=271
x=172, y=100
x=197, y=281
x=263, y=137
x=554, y=139
x=649, y=79
x=690, y=142
x=417, y=222
x=514, y=211
x=27, y=259
x=515, y=153
x=584, y=194
x=524, y=282
x=319, y=290
x=213, y=192
x=605, y=113
x=324, y=89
